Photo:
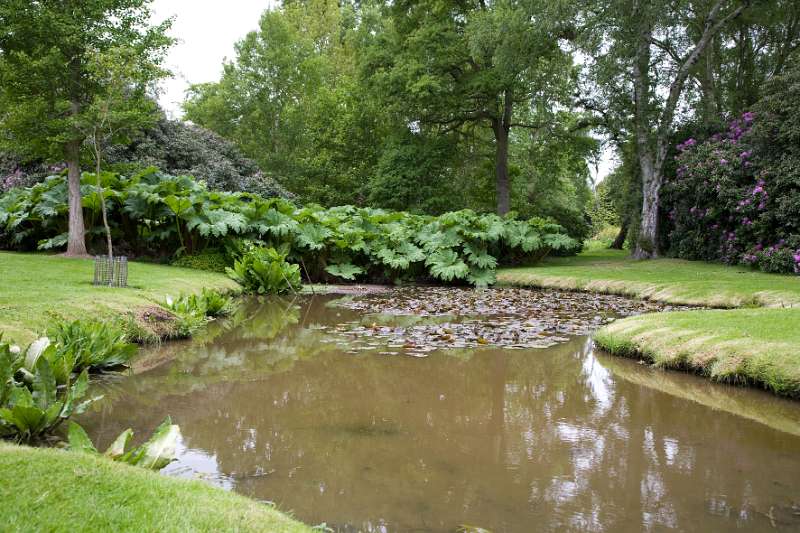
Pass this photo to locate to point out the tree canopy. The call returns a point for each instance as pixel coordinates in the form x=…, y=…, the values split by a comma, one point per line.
x=426, y=107
x=60, y=67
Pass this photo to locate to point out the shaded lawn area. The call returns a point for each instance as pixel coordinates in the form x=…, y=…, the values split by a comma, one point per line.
x=36, y=287
x=668, y=280
x=56, y=490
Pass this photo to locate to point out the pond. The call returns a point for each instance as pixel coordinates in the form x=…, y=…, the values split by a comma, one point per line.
x=348, y=417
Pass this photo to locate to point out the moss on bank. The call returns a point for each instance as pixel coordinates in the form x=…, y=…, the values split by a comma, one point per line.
x=757, y=344
x=33, y=287
x=55, y=490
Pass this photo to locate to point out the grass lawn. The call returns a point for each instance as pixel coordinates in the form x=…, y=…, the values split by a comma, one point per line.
x=55, y=490
x=760, y=347
x=667, y=280
x=757, y=344
x=35, y=286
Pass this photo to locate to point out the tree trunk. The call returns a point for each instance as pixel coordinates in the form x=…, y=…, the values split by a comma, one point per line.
x=501, y=170
x=653, y=127
x=647, y=242
x=619, y=240
x=76, y=243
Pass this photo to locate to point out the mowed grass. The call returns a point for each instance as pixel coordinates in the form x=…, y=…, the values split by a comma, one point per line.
x=36, y=287
x=55, y=490
x=667, y=280
x=757, y=342
x=759, y=347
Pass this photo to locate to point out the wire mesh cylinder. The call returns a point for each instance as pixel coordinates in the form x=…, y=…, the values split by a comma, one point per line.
x=112, y=273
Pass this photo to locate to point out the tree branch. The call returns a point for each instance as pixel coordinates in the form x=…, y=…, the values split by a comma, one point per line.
x=711, y=28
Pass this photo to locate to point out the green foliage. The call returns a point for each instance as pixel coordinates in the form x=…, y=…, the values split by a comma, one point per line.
x=50, y=72
x=265, y=271
x=208, y=303
x=32, y=402
x=210, y=260
x=154, y=213
x=346, y=271
x=155, y=454
x=188, y=149
x=91, y=344
x=735, y=196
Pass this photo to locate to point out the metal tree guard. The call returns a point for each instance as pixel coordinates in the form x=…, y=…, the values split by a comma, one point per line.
x=112, y=273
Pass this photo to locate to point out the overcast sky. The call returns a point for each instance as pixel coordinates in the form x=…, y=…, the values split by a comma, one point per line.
x=207, y=30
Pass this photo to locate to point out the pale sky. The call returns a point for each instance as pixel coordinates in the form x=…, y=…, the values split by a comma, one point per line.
x=206, y=31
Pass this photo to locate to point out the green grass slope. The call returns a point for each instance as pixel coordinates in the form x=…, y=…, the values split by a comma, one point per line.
x=756, y=343
x=55, y=490
x=667, y=280
x=33, y=287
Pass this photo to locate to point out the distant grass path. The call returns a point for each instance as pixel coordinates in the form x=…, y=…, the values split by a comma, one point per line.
x=756, y=344
x=35, y=286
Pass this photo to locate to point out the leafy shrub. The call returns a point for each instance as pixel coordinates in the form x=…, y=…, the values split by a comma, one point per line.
x=32, y=404
x=153, y=213
x=265, y=271
x=154, y=454
x=211, y=261
x=94, y=345
x=736, y=196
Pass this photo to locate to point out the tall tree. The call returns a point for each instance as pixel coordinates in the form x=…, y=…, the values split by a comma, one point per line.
x=648, y=49
x=49, y=87
x=452, y=64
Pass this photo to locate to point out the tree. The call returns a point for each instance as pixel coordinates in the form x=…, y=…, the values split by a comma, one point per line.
x=647, y=49
x=452, y=64
x=49, y=87
x=292, y=101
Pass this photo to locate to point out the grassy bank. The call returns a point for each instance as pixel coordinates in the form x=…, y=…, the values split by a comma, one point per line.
x=35, y=286
x=759, y=347
x=757, y=343
x=665, y=280
x=89, y=493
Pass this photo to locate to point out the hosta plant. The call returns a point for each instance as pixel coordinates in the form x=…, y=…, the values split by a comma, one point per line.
x=155, y=454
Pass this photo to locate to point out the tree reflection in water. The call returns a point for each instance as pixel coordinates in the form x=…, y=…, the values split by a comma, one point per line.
x=549, y=439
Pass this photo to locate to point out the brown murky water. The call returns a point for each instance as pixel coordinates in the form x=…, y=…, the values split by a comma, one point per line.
x=273, y=406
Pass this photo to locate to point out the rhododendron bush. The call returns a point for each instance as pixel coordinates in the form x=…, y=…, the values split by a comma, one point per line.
x=735, y=197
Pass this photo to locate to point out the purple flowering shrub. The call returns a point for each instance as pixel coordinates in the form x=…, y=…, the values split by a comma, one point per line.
x=726, y=203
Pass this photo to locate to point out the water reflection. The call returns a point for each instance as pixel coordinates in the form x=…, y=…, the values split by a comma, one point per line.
x=552, y=439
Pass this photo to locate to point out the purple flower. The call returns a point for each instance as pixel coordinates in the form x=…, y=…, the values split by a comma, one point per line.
x=723, y=161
